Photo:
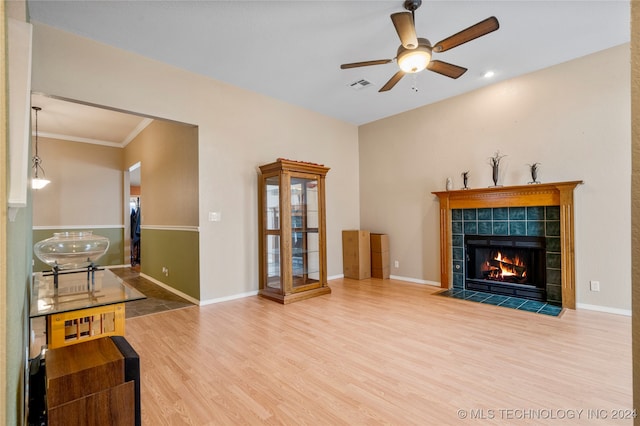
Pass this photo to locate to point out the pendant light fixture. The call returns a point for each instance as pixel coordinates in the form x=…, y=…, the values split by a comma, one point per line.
x=36, y=182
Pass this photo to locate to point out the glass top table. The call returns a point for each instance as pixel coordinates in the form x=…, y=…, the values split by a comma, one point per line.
x=76, y=290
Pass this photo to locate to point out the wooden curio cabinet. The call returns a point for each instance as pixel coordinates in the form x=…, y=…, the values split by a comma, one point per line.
x=292, y=231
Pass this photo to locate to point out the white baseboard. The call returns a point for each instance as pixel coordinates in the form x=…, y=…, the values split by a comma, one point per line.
x=196, y=301
x=617, y=311
x=126, y=265
x=171, y=289
x=415, y=280
x=395, y=277
x=228, y=298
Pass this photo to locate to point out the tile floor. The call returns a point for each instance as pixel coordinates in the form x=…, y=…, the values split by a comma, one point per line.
x=505, y=301
x=158, y=299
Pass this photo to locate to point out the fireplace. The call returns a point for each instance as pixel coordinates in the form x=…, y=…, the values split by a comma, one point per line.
x=559, y=194
x=509, y=265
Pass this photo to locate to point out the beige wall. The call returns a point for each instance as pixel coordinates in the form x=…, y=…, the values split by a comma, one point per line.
x=237, y=130
x=168, y=157
x=5, y=317
x=635, y=197
x=573, y=118
x=168, y=153
x=86, y=185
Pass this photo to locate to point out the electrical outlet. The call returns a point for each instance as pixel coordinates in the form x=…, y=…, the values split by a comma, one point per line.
x=396, y=263
x=595, y=285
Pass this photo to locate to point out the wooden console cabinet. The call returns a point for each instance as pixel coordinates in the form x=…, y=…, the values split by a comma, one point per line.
x=86, y=385
x=292, y=244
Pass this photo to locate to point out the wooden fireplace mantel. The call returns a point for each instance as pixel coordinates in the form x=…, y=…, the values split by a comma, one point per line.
x=544, y=194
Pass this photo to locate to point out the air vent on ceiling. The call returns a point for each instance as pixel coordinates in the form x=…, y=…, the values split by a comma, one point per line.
x=360, y=84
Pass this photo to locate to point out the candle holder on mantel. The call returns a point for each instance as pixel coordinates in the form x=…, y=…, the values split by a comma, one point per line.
x=533, y=168
x=494, y=162
x=465, y=179
x=449, y=184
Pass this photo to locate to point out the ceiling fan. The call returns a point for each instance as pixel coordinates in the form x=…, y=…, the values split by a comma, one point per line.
x=414, y=54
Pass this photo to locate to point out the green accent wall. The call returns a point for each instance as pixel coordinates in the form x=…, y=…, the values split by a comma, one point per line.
x=113, y=256
x=177, y=250
x=17, y=304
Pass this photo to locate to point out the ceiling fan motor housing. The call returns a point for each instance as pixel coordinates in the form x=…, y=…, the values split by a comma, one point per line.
x=412, y=5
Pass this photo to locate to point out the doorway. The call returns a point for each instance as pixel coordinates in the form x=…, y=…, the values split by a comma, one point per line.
x=135, y=214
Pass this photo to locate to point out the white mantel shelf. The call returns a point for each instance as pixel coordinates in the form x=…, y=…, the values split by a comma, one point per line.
x=544, y=194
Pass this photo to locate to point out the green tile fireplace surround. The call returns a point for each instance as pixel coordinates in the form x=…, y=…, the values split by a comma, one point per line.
x=537, y=221
x=539, y=209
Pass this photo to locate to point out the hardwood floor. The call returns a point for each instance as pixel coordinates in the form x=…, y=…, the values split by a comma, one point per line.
x=380, y=352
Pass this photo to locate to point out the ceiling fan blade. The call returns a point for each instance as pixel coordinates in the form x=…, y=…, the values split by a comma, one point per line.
x=392, y=81
x=446, y=69
x=403, y=21
x=365, y=64
x=473, y=32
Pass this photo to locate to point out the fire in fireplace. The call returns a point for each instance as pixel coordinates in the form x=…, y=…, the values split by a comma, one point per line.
x=501, y=266
x=507, y=265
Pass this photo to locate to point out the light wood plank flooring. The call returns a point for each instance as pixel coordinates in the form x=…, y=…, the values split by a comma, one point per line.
x=380, y=352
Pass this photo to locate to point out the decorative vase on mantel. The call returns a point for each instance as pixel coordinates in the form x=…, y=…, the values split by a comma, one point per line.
x=533, y=168
x=496, y=174
x=465, y=179
x=494, y=162
x=449, y=184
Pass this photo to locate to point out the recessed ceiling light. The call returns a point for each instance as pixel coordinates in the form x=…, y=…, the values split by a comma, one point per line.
x=488, y=74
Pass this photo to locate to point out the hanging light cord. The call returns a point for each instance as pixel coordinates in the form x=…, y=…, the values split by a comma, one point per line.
x=37, y=161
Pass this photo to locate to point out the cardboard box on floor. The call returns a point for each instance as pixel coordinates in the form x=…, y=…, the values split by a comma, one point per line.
x=356, y=254
x=380, y=261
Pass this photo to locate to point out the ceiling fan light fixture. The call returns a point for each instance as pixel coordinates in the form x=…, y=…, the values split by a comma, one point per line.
x=415, y=60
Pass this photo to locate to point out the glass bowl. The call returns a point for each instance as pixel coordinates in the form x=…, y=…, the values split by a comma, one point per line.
x=71, y=250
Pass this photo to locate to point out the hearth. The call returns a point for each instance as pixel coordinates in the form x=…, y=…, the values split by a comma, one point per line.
x=507, y=265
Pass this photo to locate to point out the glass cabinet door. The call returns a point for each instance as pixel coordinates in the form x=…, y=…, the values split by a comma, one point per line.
x=305, y=241
x=272, y=227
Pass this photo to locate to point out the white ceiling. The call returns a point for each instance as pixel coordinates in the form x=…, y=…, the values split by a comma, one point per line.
x=292, y=50
x=60, y=119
